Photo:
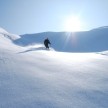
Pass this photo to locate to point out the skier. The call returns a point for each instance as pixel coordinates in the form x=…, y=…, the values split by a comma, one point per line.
x=46, y=43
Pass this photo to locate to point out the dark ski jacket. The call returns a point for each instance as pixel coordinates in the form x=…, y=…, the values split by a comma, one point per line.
x=46, y=42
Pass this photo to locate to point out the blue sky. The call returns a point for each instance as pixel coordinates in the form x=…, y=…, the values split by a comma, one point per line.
x=33, y=16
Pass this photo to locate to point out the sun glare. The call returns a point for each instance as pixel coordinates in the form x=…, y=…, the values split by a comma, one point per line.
x=72, y=24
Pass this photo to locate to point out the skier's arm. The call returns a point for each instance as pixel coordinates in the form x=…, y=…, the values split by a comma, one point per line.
x=49, y=42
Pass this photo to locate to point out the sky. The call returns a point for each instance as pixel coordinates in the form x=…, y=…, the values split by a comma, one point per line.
x=34, y=16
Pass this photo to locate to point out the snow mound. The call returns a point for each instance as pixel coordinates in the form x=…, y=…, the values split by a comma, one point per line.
x=8, y=35
x=3, y=31
x=103, y=53
x=7, y=39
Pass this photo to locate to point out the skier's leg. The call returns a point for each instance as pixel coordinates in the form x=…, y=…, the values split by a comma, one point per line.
x=47, y=46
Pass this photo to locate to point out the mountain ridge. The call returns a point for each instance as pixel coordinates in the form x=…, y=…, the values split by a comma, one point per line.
x=94, y=40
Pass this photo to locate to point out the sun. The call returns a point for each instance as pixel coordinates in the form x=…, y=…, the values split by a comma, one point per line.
x=72, y=24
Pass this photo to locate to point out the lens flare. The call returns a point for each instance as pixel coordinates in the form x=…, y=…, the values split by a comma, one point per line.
x=72, y=24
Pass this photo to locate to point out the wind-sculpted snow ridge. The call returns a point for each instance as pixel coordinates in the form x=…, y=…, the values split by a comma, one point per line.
x=7, y=40
x=8, y=35
x=3, y=31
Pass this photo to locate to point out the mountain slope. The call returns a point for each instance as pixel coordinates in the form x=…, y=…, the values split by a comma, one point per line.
x=33, y=77
x=89, y=41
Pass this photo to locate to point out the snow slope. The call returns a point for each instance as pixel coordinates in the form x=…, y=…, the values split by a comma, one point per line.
x=32, y=77
x=95, y=40
x=6, y=39
x=103, y=53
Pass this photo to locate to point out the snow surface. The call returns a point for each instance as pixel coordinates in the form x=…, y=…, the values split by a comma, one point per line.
x=33, y=77
x=95, y=40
